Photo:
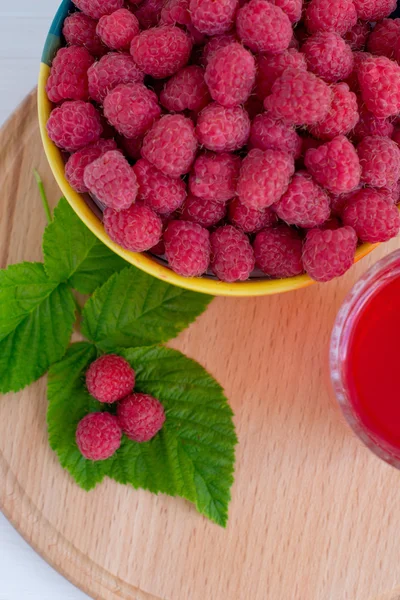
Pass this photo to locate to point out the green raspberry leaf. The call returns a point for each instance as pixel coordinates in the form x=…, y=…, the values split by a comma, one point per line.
x=36, y=321
x=135, y=309
x=72, y=253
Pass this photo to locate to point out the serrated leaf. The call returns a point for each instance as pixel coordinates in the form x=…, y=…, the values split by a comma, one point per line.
x=192, y=456
x=36, y=321
x=135, y=309
x=72, y=253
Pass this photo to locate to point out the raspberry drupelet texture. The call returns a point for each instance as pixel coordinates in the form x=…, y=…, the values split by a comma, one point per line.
x=372, y=216
x=131, y=108
x=340, y=201
x=263, y=27
x=248, y=219
x=328, y=56
x=379, y=80
x=369, y=125
x=335, y=165
x=374, y=10
x=304, y=204
x=214, y=44
x=187, y=247
x=148, y=13
x=292, y=8
x=267, y=133
x=342, y=117
x=68, y=78
x=214, y=176
x=140, y=417
x=352, y=80
x=161, y=51
x=112, y=70
x=111, y=179
x=272, y=66
x=264, y=177
x=278, y=251
x=74, y=125
x=380, y=161
x=206, y=213
x=357, y=36
x=223, y=129
x=324, y=15
x=98, y=436
x=136, y=228
x=299, y=98
x=110, y=378
x=158, y=191
x=171, y=145
x=118, y=29
x=98, y=8
x=382, y=40
x=176, y=12
x=232, y=257
x=80, y=30
x=186, y=90
x=329, y=253
x=213, y=18
x=230, y=75
x=77, y=162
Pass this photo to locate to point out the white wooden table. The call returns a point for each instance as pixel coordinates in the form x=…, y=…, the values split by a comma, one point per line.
x=23, y=27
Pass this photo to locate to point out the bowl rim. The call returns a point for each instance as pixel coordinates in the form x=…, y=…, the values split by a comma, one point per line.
x=252, y=287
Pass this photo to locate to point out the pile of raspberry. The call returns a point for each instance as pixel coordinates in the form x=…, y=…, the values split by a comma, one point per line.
x=111, y=380
x=234, y=138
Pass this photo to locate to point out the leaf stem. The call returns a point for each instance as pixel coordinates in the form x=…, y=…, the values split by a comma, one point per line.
x=43, y=195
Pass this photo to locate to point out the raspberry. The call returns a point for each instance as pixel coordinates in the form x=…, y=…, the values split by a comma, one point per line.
x=374, y=10
x=148, y=13
x=232, y=257
x=68, y=76
x=272, y=66
x=74, y=125
x=111, y=70
x=110, y=378
x=98, y=8
x=215, y=43
x=213, y=18
x=176, y=12
x=383, y=38
x=352, y=80
x=140, y=417
x=214, y=176
x=98, y=436
x=248, y=219
x=112, y=181
x=278, y=252
x=339, y=203
x=370, y=125
x=131, y=108
x=372, y=216
x=223, y=129
x=264, y=177
x=334, y=165
x=329, y=253
x=292, y=8
x=118, y=29
x=358, y=35
x=264, y=27
x=186, y=90
x=380, y=161
x=268, y=133
x=299, y=97
x=132, y=147
x=161, y=51
x=342, y=117
x=230, y=75
x=80, y=30
x=187, y=247
x=171, y=145
x=158, y=191
x=328, y=56
x=136, y=228
x=379, y=80
x=78, y=161
x=304, y=204
x=206, y=213
x=324, y=15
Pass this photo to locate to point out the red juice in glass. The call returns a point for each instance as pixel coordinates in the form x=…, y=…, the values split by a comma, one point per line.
x=365, y=358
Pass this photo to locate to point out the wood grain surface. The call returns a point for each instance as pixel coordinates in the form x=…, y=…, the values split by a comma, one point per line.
x=314, y=515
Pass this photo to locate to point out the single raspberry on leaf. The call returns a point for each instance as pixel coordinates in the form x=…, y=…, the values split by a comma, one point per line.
x=213, y=18
x=98, y=8
x=98, y=436
x=110, y=378
x=369, y=124
x=380, y=161
x=80, y=30
x=74, y=125
x=187, y=247
x=342, y=117
x=267, y=133
x=374, y=10
x=111, y=179
x=248, y=219
x=140, y=417
x=214, y=176
x=136, y=228
x=292, y=8
x=158, y=191
x=278, y=251
x=68, y=78
x=328, y=56
x=131, y=108
x=77, y=162
x=383, y=39
x=118, y=29
x=304, y=204
x=186, y=90
x=329, y=253
x=206, y=213
x=272, y=66
x=223, y=129
x=379, y=80
x=232, y=257
x=111, y=70
x=263, y=27
x=357, y=37
x=372, y=216
x=335, y=165
x=324, y=15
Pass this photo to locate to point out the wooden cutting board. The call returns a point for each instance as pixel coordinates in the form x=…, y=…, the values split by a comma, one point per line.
x=314, y=515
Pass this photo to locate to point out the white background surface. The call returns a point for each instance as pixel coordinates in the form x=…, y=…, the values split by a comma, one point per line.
x=23, y=28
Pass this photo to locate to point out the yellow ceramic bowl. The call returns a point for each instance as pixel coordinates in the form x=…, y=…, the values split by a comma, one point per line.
x=206, y=285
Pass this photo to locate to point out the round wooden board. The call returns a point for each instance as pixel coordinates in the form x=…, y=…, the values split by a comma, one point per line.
x=314, y=515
